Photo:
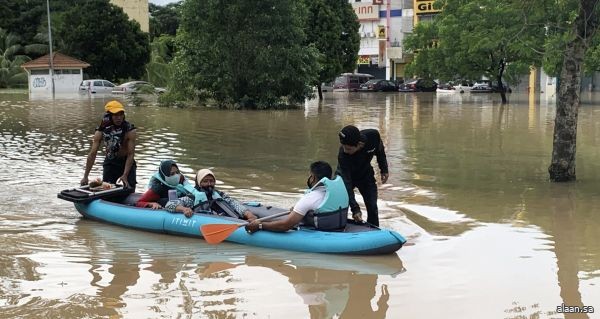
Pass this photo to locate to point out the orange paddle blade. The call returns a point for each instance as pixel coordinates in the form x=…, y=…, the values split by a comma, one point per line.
x=216, y=233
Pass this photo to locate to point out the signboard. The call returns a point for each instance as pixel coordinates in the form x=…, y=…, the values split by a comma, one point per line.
x=425, y=7
x=363, y=59
x=366, y=12
x=381, y=32
x=377, y=2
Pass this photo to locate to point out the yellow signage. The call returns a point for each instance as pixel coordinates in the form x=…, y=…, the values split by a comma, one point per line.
x=425, y=7
x=363, y=59
x=381, y=32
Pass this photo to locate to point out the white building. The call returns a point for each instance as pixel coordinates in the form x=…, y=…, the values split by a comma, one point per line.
x=68, y=74
x=383, y=26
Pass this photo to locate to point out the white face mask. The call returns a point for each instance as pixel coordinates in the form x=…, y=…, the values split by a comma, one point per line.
x=173, y=180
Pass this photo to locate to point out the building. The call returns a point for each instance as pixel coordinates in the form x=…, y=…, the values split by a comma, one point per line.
x=136, y=10
x=383, y=26
x=68, y=74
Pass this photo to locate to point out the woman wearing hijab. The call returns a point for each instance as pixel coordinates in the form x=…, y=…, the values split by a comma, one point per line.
x=167, y=178
x=205, y=198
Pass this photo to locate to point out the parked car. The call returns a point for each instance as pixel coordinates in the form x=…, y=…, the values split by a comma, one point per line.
x=96, y=86
x=419, y=85
x=448, y=88
x=135, y=86
x=378, y=85
x=350, y=81
x=482, y=87
x=327, y=87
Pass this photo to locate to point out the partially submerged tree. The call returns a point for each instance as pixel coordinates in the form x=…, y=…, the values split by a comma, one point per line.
x=243, y=53
x=470, y=39
x=333, y=29
x=578, y=37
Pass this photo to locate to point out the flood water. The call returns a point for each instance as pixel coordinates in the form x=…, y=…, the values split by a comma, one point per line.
x=489, y=236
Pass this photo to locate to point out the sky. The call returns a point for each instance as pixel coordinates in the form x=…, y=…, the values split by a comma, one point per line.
x=162, y=2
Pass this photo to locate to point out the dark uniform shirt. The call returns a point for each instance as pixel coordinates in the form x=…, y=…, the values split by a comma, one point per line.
x=356, y=169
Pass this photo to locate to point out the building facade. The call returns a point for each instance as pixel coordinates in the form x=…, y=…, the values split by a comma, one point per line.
x=136, y=10
x=68, y=74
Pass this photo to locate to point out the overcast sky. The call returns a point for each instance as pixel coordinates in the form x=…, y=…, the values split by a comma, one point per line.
x=162, y=2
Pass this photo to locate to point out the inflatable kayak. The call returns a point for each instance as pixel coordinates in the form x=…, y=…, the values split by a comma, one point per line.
x=355, y=239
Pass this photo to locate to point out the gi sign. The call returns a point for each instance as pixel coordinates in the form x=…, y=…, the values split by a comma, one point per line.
x=425, y=7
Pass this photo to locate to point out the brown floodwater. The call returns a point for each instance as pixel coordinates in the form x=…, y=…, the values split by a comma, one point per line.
x=489, y=236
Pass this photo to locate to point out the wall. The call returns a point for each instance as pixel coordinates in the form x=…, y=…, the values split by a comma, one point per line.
x=136, y=10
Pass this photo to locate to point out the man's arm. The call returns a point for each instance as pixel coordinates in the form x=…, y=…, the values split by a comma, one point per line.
x=343, y=170
x=292, y=219
x=130, y=139
x=91, y=158
x=382, y=162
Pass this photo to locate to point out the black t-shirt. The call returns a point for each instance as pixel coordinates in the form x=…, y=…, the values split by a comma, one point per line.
x=113, y=135
x=356, y=168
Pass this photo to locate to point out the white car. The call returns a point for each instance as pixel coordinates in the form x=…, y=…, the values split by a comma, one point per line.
x=96, y=86
x=134, y=86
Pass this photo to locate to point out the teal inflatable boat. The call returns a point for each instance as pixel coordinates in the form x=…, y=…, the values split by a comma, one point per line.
x=355, y=239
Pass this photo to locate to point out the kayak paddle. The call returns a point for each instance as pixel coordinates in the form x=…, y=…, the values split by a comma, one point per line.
x=216, y=233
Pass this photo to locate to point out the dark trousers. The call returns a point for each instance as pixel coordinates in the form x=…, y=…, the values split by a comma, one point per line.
x=113, y=169
x=369, y=194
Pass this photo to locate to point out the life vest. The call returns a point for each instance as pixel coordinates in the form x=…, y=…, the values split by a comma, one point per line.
x=201, y=201
x=181, y=188
x=332, y=214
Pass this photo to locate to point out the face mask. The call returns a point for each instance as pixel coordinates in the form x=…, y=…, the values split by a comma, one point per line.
x=209, y=189
x=172, y=180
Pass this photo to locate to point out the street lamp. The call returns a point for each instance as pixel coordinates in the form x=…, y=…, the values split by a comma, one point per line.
x=50, y=42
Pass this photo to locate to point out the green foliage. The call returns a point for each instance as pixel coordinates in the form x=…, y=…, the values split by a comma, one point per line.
x=164, y=20
x=470, y=39
x=102, y=35
x=11, y=73
x=329, y=25
x=158, y=70
x=244, y=54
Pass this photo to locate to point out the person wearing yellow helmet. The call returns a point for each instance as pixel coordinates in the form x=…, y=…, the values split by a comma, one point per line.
x=119, y=137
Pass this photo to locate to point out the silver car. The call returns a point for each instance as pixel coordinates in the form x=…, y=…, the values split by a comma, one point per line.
x=134, y=86
x=96, y=86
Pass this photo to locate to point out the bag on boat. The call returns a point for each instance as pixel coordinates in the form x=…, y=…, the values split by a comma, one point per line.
x=332, y=214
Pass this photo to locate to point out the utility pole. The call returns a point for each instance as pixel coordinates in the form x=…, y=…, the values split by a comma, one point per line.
x=50, y=43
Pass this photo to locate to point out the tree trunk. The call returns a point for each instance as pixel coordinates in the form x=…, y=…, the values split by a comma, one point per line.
x=562, y=168
x=499, y=79
x=320, y=90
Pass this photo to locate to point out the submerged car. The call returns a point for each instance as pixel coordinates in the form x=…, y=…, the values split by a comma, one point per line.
x=378, y=85
x=96, y=86
x=137, y=87
x=419, y=85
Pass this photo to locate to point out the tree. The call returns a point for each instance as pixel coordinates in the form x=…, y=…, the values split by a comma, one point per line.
x=102, y=35
x=470, y=38
x=11, y=73
x=244, y=53
x=158, y=70
x=164, y=20
x=579, y=37
x=333, y=29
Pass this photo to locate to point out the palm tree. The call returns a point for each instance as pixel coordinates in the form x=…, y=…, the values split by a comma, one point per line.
x=11, y=74
x=158, y=70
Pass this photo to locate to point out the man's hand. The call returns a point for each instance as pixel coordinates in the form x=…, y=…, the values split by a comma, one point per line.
x=84, y=181
x=357, y=215
x=252, y=227
x=384, y=178
x=123, y=180
x=154, y=205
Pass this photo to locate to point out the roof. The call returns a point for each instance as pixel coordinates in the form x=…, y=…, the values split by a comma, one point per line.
x=59, y=60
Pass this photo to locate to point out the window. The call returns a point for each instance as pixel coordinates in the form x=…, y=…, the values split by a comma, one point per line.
x=40, y=72
x=108, y=84
x=97, y=83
